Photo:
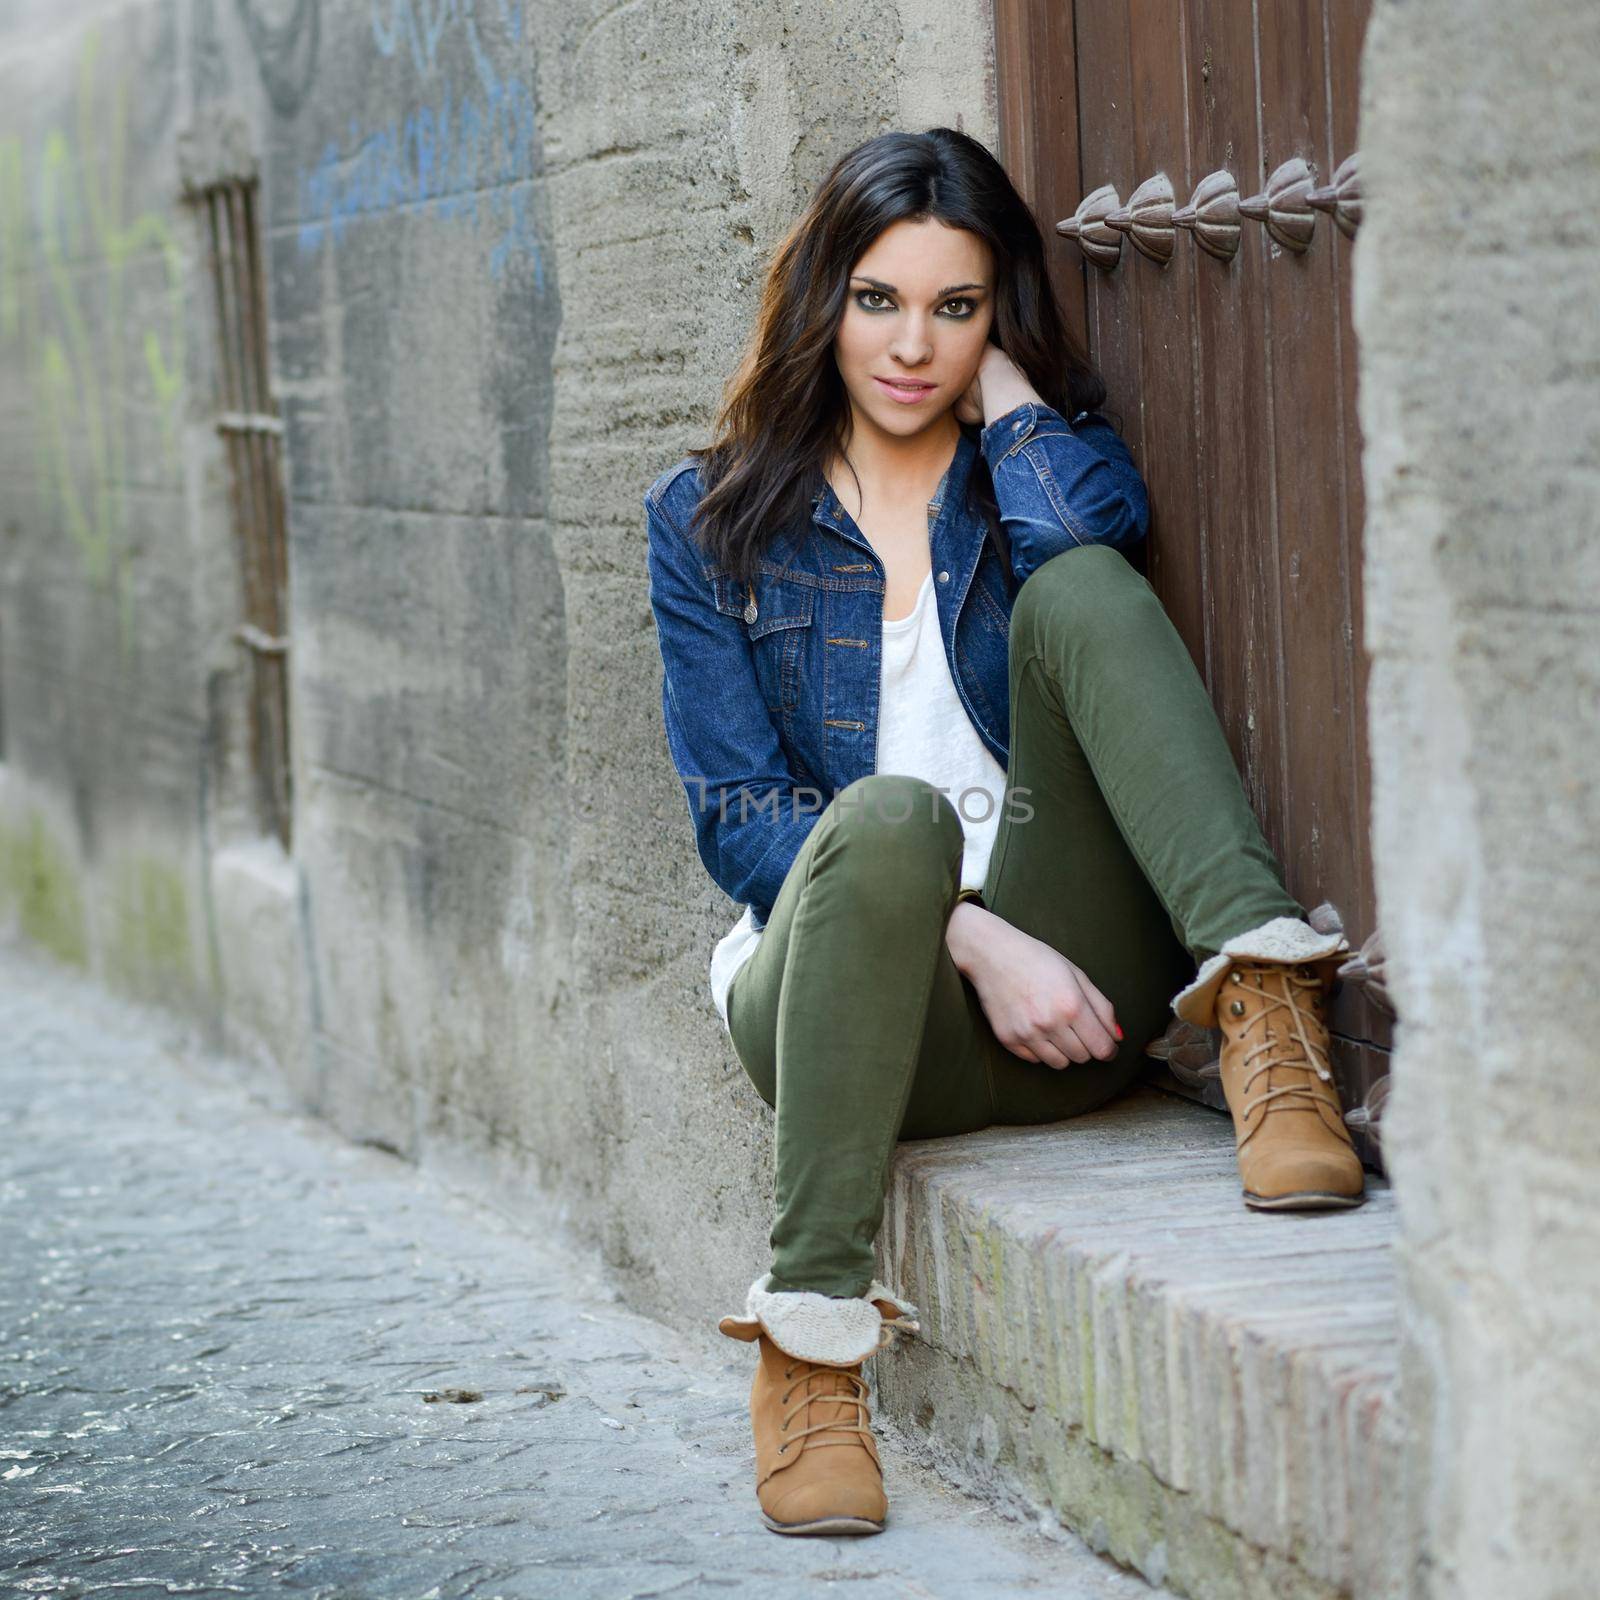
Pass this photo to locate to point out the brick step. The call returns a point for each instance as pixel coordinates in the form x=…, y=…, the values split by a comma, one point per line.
x=1204, y=1392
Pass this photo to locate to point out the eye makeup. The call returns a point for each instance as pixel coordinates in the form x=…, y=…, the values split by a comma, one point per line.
x=860, y=296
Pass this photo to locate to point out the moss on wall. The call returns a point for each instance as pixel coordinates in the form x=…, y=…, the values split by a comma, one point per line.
x=149, y=947
x=40, y=883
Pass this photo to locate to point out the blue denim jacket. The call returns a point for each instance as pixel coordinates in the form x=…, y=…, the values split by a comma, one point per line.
x=770, y=697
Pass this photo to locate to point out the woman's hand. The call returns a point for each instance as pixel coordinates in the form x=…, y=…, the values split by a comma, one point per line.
x=997, y=387
x=1041, y=1006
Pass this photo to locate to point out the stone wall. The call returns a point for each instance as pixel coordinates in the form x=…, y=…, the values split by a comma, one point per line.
x=1476, y=289
x=511, y=251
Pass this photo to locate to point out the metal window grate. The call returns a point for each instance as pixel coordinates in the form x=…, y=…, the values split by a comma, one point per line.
x=249, y=422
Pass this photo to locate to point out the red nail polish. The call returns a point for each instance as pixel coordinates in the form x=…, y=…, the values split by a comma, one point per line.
x=1119, y=1030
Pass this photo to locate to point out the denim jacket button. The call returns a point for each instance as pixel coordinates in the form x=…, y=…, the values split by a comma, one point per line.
x=944, y=577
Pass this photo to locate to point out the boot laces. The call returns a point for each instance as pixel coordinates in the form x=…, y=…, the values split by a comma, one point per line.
x=851, y=1392
x=1279, y=1048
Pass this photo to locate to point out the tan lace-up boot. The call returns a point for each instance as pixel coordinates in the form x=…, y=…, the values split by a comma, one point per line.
x=817, y=1467
x=1267, y=991
x=1295, y=1153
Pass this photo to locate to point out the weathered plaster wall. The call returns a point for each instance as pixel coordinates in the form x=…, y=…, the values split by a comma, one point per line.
x=1476, y=301
x=512, y=251
x=104, y=714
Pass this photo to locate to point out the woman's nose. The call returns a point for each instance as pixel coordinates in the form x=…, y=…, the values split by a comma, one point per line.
x=911, y=346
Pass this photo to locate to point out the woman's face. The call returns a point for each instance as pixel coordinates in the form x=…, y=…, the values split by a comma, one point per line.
x=917, y=315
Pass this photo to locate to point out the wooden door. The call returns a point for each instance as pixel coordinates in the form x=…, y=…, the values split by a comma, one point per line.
x=1234, y=380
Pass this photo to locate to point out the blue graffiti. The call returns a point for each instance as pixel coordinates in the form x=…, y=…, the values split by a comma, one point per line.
x=423, y=39
x=462, y=159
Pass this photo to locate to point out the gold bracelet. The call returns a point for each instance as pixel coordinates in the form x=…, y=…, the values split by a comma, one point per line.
x=974, y=895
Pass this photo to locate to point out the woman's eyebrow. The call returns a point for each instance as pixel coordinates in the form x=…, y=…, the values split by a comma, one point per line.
x=889, y=288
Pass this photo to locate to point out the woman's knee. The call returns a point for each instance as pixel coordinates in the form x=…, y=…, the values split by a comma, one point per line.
x=896, y=818
x=1086, y=586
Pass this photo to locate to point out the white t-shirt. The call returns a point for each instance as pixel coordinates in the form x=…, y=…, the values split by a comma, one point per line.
x=923, y=732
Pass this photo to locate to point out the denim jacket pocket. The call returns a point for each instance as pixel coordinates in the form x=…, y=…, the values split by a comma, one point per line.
x=776, y=631
x=778, y=637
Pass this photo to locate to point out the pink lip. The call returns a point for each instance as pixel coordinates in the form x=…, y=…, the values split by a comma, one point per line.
x=908, y=393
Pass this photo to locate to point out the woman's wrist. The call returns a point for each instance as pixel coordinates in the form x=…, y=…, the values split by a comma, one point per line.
x=965, y=935
x=1004, y=386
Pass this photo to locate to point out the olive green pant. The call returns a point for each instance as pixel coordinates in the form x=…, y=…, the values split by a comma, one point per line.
x=1141, y=856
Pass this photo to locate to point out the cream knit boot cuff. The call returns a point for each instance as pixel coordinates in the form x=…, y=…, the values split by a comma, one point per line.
x=1281, y=939
x=818, y=1327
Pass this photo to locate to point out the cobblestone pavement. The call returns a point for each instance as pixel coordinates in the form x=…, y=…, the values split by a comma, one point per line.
x=235, y=1351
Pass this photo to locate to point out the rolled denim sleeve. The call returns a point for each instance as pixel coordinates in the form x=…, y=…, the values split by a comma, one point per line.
x=1058, y=486
x=748, y=822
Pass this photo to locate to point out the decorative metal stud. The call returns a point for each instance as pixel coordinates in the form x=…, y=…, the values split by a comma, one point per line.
x=750, y=605
x=1283, y=207
x=1237, y=1008
x=1190, y=1053
x=1234, y=977
x=1367, y=1118
x=1147, y=219
x=1341, y=199
x=1087, y=225
x=1212, y=214
x=1368, y=967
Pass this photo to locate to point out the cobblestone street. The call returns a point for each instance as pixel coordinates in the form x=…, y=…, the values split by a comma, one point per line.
x=239, y=1356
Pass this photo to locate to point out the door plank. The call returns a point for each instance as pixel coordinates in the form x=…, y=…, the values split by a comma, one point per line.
x=1235, y=435
x=1308, y=477
x=1322, y=715
x=1105, y=140
x=1179, y=505
x=1038, y=94
x=1345, y=25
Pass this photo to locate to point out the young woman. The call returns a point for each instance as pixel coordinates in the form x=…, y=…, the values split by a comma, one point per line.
x=940, y=738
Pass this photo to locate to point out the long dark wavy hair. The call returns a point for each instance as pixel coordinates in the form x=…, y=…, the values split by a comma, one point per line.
x=785, y=411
